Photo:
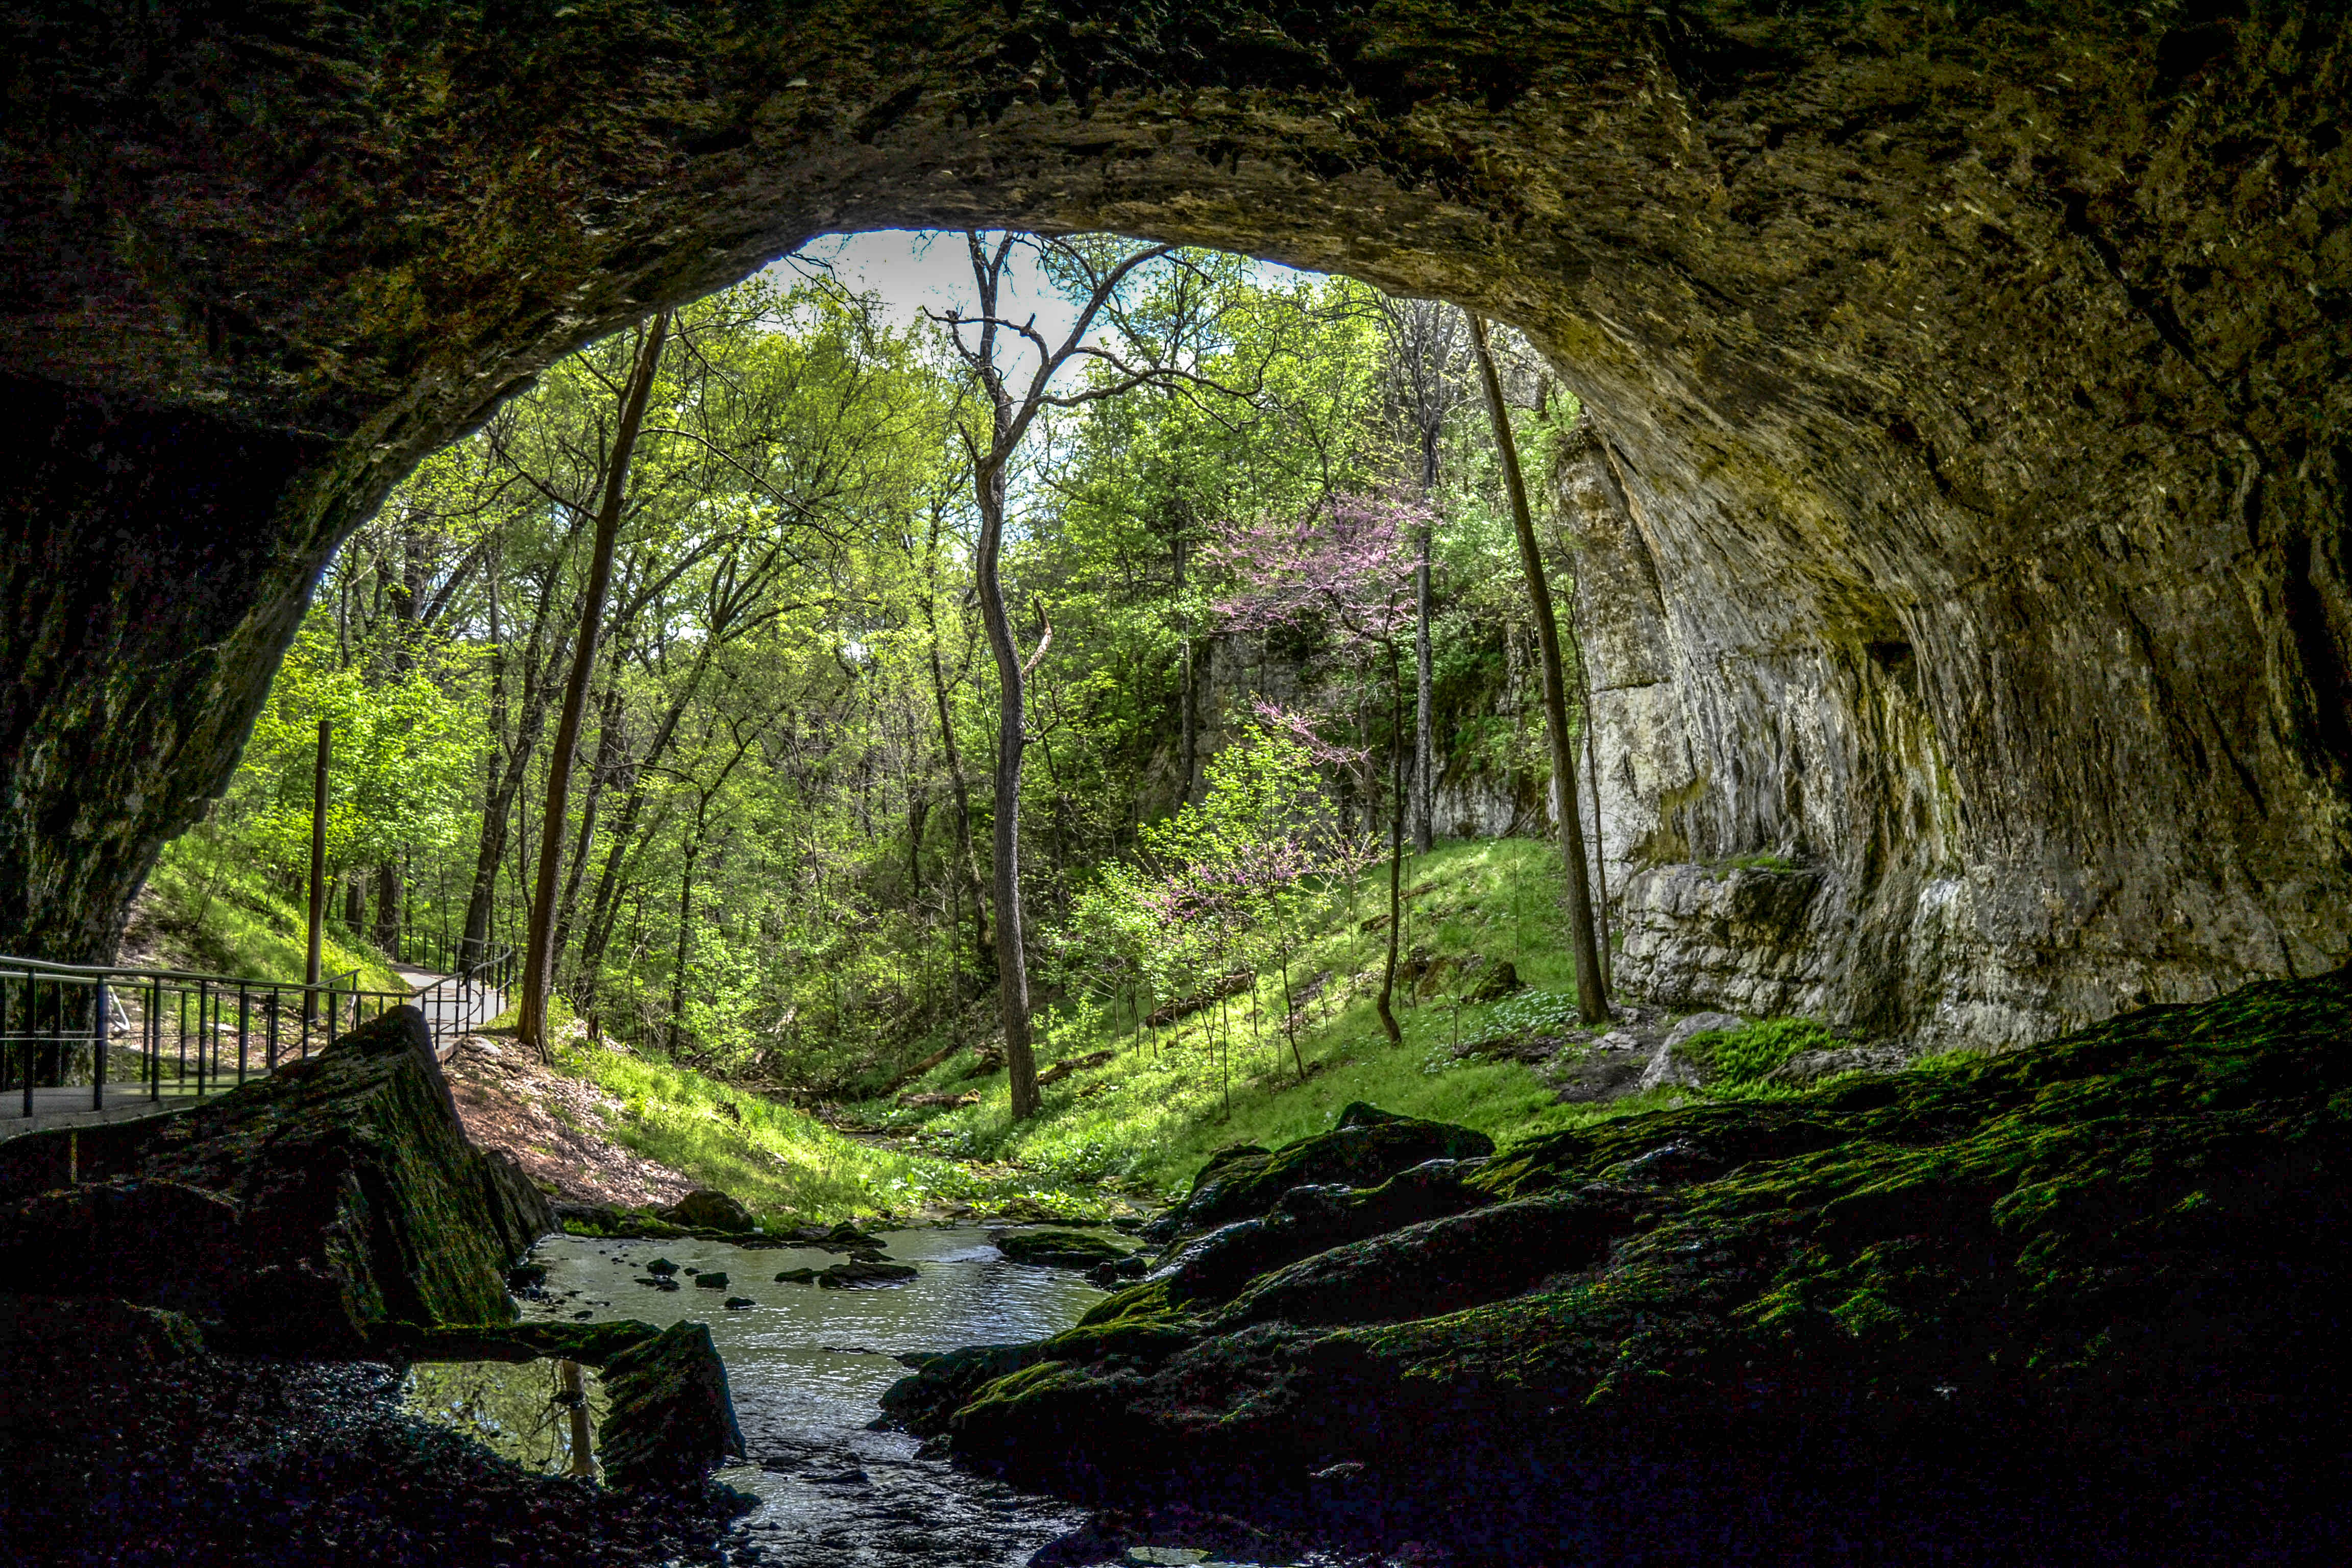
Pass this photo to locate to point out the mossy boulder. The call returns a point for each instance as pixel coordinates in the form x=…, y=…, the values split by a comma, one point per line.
x=2134, y=1240
x=91, y=1332
x=590, y=1344
x=1308, y=1220
x=293, y=1213
x=707, y=1208
x=1058, y=1248
x=860, y=1272
x=671, y=1421
x=1365, y=1147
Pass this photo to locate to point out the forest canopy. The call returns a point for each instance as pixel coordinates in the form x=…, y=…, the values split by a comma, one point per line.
x=778, y=858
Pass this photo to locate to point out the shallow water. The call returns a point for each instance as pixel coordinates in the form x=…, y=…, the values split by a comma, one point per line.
x=807, y=1367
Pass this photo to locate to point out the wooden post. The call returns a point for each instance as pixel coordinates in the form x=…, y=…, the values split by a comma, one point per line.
x=318, y=873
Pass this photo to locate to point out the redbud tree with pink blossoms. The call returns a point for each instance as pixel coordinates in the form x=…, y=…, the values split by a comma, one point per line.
x=1344, y=570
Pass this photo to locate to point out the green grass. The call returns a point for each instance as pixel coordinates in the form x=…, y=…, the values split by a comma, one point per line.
x=1146, y=1120
x=1743, y=1056
x=215, y=916
x=788, y=1168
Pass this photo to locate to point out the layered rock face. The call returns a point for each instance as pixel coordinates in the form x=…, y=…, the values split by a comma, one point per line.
x=1968, y=502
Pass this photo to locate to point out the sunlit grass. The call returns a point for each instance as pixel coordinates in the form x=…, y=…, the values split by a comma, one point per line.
x=1146, y=1119
x=783, y=1164
x=226, y=919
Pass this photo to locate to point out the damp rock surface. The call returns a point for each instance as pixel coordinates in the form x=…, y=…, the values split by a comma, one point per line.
x=2114, y=1258
x=295, y=1214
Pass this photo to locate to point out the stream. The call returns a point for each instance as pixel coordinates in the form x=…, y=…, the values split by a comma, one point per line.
x=806, y=1368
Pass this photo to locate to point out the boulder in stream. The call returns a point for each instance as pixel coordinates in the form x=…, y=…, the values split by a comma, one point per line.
x=1058, y=1248
x=1366, y=1147
x=707, y=1208
x=842, y=1276
x=671, y=1421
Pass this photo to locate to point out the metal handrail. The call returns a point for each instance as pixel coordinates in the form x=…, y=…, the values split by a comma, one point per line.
x=52, y=1041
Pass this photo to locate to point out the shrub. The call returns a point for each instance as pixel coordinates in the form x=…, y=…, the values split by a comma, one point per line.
x=1745, y=1054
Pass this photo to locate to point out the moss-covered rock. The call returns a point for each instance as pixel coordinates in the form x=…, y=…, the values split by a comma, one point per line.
x=671, y=1421
x=1309, y=1219
x=1058, y=1248
x=2130, y=1239
x=1366, y=1147
x=590, y=1344
x=94, y=1331
x=293, y=1213
x=707, y=1208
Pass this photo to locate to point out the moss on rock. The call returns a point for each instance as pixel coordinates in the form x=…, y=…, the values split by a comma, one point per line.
x=2130, y=1238
x=293, y=1213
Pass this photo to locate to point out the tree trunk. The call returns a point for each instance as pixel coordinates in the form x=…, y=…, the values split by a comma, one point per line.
x=600, y=774
x=1012, y=961
x=604, y=908
x=506, y=777
x=539, y=957
x=984, y=957
x=1187, y=750
x=387, y=907
x=685, y=913
x=1592, y=990
x=1396, y=849
x=918, y=812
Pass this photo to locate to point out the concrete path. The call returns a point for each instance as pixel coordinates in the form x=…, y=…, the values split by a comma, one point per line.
x=450, y=1009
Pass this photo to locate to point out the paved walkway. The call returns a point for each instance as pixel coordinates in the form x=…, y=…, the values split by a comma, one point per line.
x=69, y=1106
x=450, y=1009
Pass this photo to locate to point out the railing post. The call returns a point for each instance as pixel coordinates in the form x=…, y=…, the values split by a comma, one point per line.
x=244, y=1029
x=204, y=995
x=271, y=1046
x=28, y=1044
x=153, y=1028
x=100, y=1037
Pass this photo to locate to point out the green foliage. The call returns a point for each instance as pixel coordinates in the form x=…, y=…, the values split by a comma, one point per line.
x=403, y=749
x=783, y=1164
x=776, y=864
x=509, y=1407
x=207, y=909
x=1742, y=1056
x=1146, y=1119
x=1529, y=1013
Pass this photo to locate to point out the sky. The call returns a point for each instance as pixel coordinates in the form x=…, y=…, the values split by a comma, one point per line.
x=913, y=270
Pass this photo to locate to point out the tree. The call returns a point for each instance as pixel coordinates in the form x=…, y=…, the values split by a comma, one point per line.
x=1592, y=991
x=1424, y=377
x=1346, y=572
x=539, y=956
x=1094, y=272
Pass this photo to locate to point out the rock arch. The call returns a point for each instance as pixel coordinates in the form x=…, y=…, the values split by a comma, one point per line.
x=1965, y=502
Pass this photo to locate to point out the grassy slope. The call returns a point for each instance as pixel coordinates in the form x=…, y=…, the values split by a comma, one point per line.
x=227, y=921
x=1143, y=1123
x=1146, y=1119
